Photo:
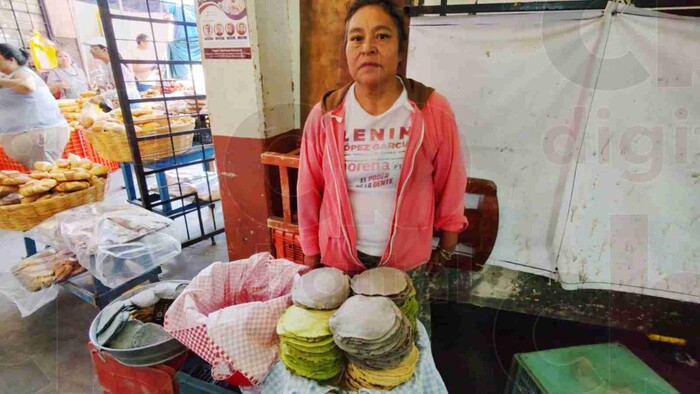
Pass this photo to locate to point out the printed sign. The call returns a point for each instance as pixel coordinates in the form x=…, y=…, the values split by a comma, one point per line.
x=223, y=26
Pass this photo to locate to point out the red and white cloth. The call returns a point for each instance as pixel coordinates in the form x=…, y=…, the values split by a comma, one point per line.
x=229, y=312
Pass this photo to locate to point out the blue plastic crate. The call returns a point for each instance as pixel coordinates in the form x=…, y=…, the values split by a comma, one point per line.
x=195, y=378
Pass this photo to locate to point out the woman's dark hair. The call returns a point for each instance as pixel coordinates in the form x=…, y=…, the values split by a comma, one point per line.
x=8, y=51
x=390, y=8
x=141, y=38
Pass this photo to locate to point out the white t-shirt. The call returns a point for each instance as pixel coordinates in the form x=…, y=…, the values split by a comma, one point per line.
x=150, y=76
x=375, y=147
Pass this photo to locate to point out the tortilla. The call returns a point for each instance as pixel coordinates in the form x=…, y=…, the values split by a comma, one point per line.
x=304, y=323
x=381, y=281
x=363, y=317
x=323, y=288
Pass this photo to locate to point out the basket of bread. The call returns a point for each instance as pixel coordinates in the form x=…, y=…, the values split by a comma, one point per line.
x=108, y=136
x=28, y=199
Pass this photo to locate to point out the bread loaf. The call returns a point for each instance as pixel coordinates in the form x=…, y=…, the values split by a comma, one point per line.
x=67, y=187
x=15, y=180
x=63, y=103
x=43, y=166
x=37, y=187
x=99, y=170
x=39, y=175
x=71, y=176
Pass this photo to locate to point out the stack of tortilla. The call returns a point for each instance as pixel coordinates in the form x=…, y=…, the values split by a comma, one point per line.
x=378, y=341
x=306, y=343
x=391, y=283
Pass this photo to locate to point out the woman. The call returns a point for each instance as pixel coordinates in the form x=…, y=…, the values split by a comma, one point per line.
x=381, y=164
x=67, y=80
x=32, y=127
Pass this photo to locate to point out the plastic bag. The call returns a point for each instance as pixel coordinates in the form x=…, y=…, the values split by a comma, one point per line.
x=193, y=179
x=208, y=190
x=118, y=263
x=43, y=54
x=27, y=302
x=91, y=113
x=115, y=242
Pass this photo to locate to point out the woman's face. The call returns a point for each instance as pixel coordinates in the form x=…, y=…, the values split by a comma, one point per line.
x=64, y=59
x=372, y=47
x=7, y=66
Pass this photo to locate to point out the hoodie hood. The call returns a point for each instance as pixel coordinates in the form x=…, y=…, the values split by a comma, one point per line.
x=417, y=92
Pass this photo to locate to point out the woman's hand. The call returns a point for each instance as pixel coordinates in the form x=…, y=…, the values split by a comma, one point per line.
x=312, y=261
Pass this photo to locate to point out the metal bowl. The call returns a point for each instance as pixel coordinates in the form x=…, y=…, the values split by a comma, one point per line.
x=145, y=356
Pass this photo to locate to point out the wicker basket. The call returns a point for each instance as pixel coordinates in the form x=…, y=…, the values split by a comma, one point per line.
x=22, y=217
x=114, y=145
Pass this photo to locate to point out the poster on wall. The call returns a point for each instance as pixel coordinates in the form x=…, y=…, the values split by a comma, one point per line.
x=223, y=26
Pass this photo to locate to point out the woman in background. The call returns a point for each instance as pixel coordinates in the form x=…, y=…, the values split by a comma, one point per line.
x=32, y=127
x=66, y=79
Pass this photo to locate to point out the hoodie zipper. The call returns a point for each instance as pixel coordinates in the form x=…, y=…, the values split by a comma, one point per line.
x=400, y=199
x=337, y=193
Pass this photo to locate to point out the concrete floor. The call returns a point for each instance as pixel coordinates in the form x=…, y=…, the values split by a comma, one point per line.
x=46, y=352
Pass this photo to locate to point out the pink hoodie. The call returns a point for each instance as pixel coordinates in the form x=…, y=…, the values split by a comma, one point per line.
x=430, y=191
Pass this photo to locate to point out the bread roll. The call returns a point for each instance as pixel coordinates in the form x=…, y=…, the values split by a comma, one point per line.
x=73, y=175
x=67, y=187
x=85, y=164
x=39, y=175
x=99, y=170
x=15, y=180
x=70, y=109
x=37, y=187
x=73, y=159
x=58, y=170
x=66, y=103
x=43, y=166
x=70, y=116
x=62, y=163
x=88, y=94
x=5, y=190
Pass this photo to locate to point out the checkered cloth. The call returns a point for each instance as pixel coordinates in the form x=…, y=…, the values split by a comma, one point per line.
x=426, y=380
x=228, y=314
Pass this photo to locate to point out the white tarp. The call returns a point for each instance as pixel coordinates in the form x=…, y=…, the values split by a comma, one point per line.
x=588, y=124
